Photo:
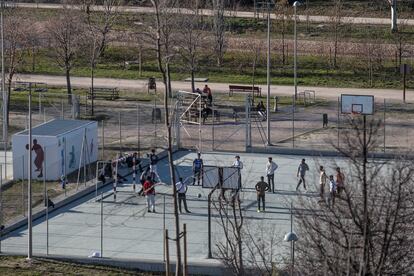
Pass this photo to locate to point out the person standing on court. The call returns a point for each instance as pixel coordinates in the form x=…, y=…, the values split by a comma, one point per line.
x=302, y=169
x=149, y=193
x=271, y=167
x=181, y=189
x=238, y=164
x=340, y=181
x=261, y=188
x=197, y=169
x=322, y=181
x=153, y=160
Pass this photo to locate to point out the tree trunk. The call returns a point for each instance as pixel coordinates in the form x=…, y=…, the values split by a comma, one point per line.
x=192, y=81
x=168, y=75
x=68, y=86
x=9, y=83
x=167, y=83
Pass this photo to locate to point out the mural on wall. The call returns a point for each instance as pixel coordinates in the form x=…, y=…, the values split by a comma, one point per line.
x=62, y=157
x=40, y=157
x=72, y=160
x=91, y=147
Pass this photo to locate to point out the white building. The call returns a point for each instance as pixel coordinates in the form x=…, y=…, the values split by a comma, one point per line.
x=59, y=147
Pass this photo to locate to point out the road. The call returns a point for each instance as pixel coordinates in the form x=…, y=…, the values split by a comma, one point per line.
x=241, y=14
x=279, y=90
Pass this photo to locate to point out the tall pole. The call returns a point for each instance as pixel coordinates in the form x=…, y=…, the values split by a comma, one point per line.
x=47, y=224
x=268, y=142
x=29, y=185
x=393, y=4
x=101, y=224
x=295, y=53
x=120, y=134
x=365, y=195
x=3, y=87
x=4, y=93
x=1, y=202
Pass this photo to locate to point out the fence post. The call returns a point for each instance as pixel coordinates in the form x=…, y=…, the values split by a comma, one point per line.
x=385, y=111
x=103, y=139
x=163, y=223
x=293, y=120
x=47, y=223
x=23, y=209
x=139, y=133
x=120, y=134
x=167, y=253
x=337, y=122
x=1, y=203
x=44, y=175
x=101, y=224
x=185, y=249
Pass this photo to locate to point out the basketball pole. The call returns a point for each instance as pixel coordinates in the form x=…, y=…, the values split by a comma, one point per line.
x=210, y=255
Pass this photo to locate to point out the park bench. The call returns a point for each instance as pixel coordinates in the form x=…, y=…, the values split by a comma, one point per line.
x=245, y=88
x=103, y=93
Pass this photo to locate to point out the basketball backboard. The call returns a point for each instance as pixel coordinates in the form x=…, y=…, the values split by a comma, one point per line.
x=231, y=178
x=210, y=177
x=357, y=104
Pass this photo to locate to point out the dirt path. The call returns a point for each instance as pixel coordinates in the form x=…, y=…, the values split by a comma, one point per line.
x=241, y=14
x=140, y=85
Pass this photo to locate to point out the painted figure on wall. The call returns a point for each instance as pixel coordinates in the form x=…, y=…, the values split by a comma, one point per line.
x=40, y=157
x=72, y=157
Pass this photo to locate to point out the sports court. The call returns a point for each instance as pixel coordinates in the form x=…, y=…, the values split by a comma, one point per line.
x=132, y=233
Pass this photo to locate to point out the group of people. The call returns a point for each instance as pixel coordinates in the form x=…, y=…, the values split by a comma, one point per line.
x=150, y=175
x=336, y=183
x=206, y=92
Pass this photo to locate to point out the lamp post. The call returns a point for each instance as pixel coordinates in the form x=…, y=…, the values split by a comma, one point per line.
x=297, y=3
x=292, y=238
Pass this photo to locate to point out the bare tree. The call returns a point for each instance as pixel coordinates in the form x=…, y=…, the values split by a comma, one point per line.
x=67, y=33
x=192, y=42
x=231, y=220
x=401, y=42
x=283, y=15
x=246, y=248
x=162, y=33
x=367, y=231
x=99, y=26
x=16, y=29
x=335, y=21
x=219, y=30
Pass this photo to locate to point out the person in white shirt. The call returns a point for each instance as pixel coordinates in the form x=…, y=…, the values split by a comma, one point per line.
x=271, y=167
x=237, y=163
x=332, y=189
x=322, y=181
x=182, y=188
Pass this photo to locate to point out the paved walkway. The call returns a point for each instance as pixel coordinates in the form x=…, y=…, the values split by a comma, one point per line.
x=242, y=14
x=280, y=90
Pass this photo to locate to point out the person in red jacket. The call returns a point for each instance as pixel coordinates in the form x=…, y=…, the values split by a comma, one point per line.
x=149, y=193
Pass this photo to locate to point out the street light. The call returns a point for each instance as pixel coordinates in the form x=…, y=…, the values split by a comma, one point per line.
x=297, y=3
x=292, y=238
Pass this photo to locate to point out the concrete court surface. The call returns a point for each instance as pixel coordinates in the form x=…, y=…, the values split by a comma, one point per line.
x=132, y=233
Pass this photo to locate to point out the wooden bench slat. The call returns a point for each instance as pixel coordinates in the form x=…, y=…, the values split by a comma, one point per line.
x=244, y=88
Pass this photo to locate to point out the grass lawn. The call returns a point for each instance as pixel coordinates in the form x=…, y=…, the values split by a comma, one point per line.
x=13, y=266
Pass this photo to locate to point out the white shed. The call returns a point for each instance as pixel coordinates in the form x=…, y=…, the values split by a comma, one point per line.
x=59, y=147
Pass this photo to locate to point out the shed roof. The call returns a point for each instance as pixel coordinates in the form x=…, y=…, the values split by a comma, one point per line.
x=56, y=127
